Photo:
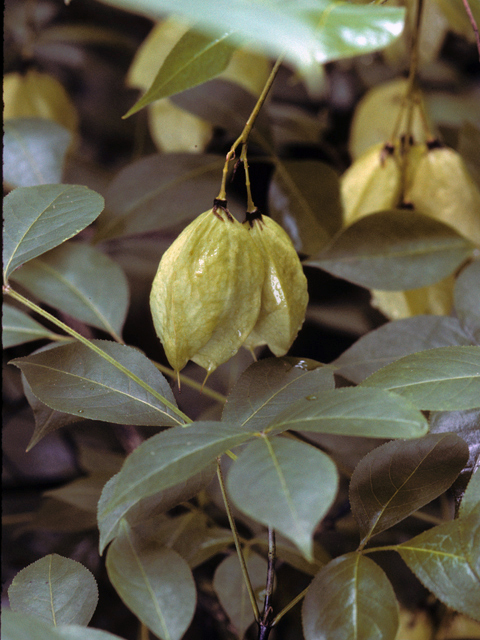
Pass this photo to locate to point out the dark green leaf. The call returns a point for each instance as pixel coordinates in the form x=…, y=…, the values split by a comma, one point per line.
x=465, y=424
x=34, y=151
x=18, y=328
x=55, y=589
x=397, y=478
x=171, y=457
x=467, y=299
x=154, y=582
x=304, y=197
x=353, y=412
x=350, y=598
x=276, y=482
x=19, y=626
x=396, y=339
x=395, y=250
x=229, y=585
x=74, y=379
x=81, y=281
x=443, y=379
x=37, y=219
x=446, y=559
x=471, y=498
x=194, y=59
x=268, y=387
x=136, y=511
x=159, y=192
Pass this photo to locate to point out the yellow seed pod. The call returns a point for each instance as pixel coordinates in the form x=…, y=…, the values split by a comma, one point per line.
x=205, y=297
x=441, y=187
x=284, y=292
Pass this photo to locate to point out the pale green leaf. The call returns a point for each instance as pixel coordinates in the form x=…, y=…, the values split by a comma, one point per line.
x=350, y=597
x=443, y=379
x=56, y=590
x=394, y=251
x=34, y=151
x=297, y=484
x=229, y=585
x=396, y=339
x=74, y=379
x=353, y=412
x=269, y=386
x=446, y=559
x=467, y=299
x=37, y=219
x=398, y=478
x=19, y=626
x=155, y=583
x=81, y=281
x=194, y=59
x=18, y=328
x=471, y=498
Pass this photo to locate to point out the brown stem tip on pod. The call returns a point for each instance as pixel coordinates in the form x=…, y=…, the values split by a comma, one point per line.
x=205, y=297
x=284, y=291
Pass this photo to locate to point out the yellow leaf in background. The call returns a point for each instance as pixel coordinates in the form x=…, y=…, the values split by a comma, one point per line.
x=458, y=627
x=175, y=130
x=249, y=70
x=38, y=95
x=437, y=299
x=415, y=625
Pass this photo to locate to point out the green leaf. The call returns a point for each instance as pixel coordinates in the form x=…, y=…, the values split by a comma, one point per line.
x=74, y=379
x=394, y=251
x=171, y=457
x=446, y=559
x=159, y=192
x=350, y=598
x=465, y=424
x=268, y=387
x=34, y=151
x=155, y=583
x=467, y=299
x=397, y=478
x=304, y=197
x=135, y=511
x=55, y=589
x=18, y=328
x=19, y=626
x=81, y=281
x=231, y=591
x=471, y=498
x=353, y=412
x=194, y=59
x=37, y=219
x=286, y=475
x=306, y=33
x=396, y=339
x=443, y=379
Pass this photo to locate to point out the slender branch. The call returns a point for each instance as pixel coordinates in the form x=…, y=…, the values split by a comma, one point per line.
x=473, y=22
x=189, y=382
x=265, y=623
x=238, y=546
x=289, y=606
x=243, y=158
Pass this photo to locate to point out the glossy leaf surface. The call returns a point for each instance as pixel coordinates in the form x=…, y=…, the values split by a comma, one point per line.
x=465, y=424
x=296, y=482
x=34, y=151
x=81, y=281
x=350, y=598
x=467, y=299
x=18, y=327
x=154, y=582
x=397, y=478
x=37, y=219
x=56, y=590
x=396, y=339
x=353, y=412
x=74, y=379
x=18, y=626
x=443, y=379
x=269, y=386
x=446, y=559
x=394, y=250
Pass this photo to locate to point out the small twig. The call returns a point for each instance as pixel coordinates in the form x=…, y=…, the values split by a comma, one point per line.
x=265, y=623
x=473, y=22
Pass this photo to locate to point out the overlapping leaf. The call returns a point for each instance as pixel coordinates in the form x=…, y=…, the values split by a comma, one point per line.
x=40, y=218
x=353, y=412
x=465, y=424
x=81, y=281
x=471, y=498
x=395, y=250
x=397, y=478
x=296, y=482
x=268, y=387
x=18, y=626
x=74, y=379
x=443, y=379
x=350, y=597
x=56, y=590
x=18, y=328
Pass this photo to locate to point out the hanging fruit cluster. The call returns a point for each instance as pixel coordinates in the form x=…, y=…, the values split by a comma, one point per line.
x=223, y=284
